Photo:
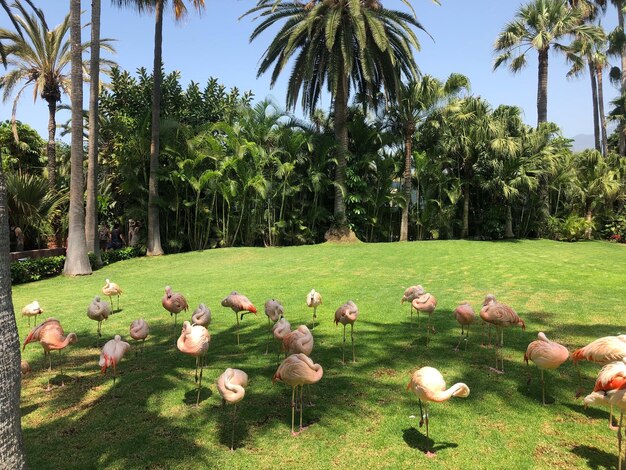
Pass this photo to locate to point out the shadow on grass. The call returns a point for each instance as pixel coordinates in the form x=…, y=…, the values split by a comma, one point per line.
x=417, y=440
x=596, y=458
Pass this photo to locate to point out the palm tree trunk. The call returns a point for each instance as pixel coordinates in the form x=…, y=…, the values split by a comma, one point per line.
x=11, y=443
x=76, y=260
x=406, y=182
x=341, y=134
x=91, y=217
x=154, y=236
x=51, y=150
x=542, y=87
x=588, y=218
x=620, y=22
x=508, y=224
x=466, y=196
x=605, y=139
x=594, y=99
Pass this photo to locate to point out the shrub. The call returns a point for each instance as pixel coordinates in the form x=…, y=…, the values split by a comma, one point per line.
x=615, y=229
x=572, y=228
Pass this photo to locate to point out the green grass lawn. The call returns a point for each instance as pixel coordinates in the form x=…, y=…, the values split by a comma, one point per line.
x=361, y=418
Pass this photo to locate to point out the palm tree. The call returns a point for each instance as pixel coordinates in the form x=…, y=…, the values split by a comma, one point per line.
x=345, y=44
x=417, y=100
x=154, y=237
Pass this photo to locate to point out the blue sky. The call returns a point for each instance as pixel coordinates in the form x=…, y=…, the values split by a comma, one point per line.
x=216, y=44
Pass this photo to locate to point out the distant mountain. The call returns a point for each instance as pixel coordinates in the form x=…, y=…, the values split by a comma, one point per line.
x=582, y=142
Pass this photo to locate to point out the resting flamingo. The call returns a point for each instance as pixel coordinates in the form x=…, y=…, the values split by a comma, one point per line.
x=426, y=303
x=545, y=354
x=201, y=316
x=313, y=300
x=410, y=294
x=612, y=375
x=32, y=310
x=110, y=289
x=174, y=302
x=112, y=353
x=428, y=384
x=238, y=303
x=99, y=311
x=274, y=311
x=281, y=329
x=231, y=385
x=194, y=341
x=139, y=331
x=464, y=314
x=298, y=341
x=501, y=316
x=347, y=314
x=298, y=370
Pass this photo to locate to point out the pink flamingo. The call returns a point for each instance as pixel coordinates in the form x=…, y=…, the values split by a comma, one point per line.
x=174, y=302
x=281, y=329
x=231, y=385
x=545, y=354
x=110, y=289
x=201, y=316
x=298, y=341
x=274, y=311
x=139, y=331
x=194, y=341
x=238, y=303
x=298, y=370
x=426, y=303
x=611, y=376
x=428, y=384
x=410, y=294
x=32, y=310
x=51, y=336
x=501, y=316
x=489, y=299
x=99, y=311
x=347, y=314
x=464, y=314
x=112, y=353
x=313, y=300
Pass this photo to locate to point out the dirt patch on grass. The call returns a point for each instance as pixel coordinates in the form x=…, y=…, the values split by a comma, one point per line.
x=383, y=372
x=341, y=235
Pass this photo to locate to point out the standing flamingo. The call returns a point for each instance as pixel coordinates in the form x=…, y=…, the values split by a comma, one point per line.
x=174, y=302
x=281, y=329
x=428, y=384
x=238, y=303
x=298, y=370
x=201, y=316
x=110, y=289
x=612, y=375
x=299, y=341
x=139, y=331
x=51, y=336
x=345, y=314
x=112, y=353
x=489, y=299
x=426, y=303
x=313, y=300
x=545, y=354
x=99, y=311
x=501, y=316
x=231, y=385
x=32, y=310
x=274, y=311
x=194, y=341
x=464, y=314
x=410, y=294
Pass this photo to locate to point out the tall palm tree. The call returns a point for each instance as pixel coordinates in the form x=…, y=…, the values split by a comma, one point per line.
x=154, y=237
x=345, y=44
x=76, y=259
x=417, y=100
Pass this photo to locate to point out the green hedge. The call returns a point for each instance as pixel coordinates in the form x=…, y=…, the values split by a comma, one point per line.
x=36, y=269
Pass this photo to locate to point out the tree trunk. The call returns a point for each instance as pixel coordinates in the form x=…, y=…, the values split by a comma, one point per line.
x=154, y=235
x=605, y=139
x=341, y=134
x=508, y=224
x=620, y=22
x=594, y=99
x=91, y=217
x=76, y=260
x=11, y=443
x=588, y=218
x=542, y=87
x=406, y=182
x=466, y=197
x=51, y=148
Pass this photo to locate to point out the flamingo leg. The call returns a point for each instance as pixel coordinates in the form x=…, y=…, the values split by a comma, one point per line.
x=352, y=337
x=314, y=316
x=460, y=339
x=543, y=389
x=61, y=368
x=301, y=392
x=418, y=317
x=293, y=407
x=269, y=332
x=427, y=329
x=111, y=299
x=118, y=302
x=237, y=318
x=197, y=359
x=343, y=347
x=114, y=377
x=411, y=308
x=200, y=382
x=50, y=361
x=466, y=337
x=619, y=442
x=232, y=436
x=502, y=348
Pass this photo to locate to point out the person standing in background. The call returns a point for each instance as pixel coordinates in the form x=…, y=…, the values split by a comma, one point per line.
x=117, y=239
x=19, y=239
x=103, y=235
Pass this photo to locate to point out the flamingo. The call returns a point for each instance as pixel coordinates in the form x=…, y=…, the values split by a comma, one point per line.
x=281, y=329
x=611, y=376
x=426, y=303
x=501, y=316
x=545, y=354
x=313, y=300
x=112, y=353
x=464, y=314
x=274, y=311
x=489, y=299
x=298, y=370
x=201, y=316
x=410, y=294
x=345, y=314
x=231, y=385
x=51, y=336
x=139, y=331
x=32, y=310
x=194, y=340
x=238, y=303
x=174, y=302
x=428, y=384
x=99, y=311
x=298, y=341
x=110, y=289
x=24, y=368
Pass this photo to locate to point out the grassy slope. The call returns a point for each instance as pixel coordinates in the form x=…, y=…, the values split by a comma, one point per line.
x=573, y=292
